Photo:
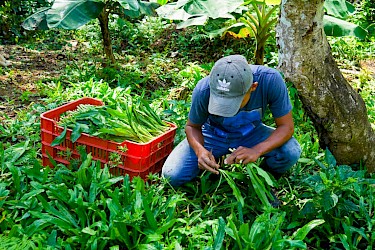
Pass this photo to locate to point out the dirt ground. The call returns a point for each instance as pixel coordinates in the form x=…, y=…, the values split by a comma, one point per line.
x=19, y=83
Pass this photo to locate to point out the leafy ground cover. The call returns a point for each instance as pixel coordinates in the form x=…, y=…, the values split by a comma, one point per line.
x=324, y=205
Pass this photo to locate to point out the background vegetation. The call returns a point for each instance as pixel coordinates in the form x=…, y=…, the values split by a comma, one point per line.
x=324, y=205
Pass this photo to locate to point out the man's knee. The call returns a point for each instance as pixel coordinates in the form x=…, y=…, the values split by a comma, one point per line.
x=171, y=176
x=292, y=151
x=284, y=157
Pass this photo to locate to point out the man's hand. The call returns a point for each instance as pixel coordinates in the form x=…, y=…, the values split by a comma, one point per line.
x=243, y=155
x=206, y=161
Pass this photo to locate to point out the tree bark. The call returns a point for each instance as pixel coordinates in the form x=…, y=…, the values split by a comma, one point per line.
x=338, y=112
x=259, y=54
x=107, y=44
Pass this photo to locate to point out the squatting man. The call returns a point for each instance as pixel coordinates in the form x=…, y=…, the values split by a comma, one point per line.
x=226, y=112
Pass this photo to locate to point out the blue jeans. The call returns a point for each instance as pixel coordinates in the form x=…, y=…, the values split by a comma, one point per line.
x=181, y=165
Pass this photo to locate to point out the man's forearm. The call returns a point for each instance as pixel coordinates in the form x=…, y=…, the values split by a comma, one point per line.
x=278, y=137
x=195, y=138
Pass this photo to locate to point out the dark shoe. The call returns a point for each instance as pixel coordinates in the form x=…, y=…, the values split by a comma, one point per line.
x=275, y=202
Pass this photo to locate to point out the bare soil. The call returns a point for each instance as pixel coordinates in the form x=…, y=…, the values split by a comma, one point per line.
x=19, y=82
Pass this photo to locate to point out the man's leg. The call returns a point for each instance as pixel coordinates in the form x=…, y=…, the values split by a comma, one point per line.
x=181, y=165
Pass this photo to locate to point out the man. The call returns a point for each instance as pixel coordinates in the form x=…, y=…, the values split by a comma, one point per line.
x=226, y=112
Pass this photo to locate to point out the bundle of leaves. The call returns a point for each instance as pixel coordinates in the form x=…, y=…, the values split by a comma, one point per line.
x=127, y=119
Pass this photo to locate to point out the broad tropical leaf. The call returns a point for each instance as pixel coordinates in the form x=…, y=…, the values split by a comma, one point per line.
x=37, y=21
x=144, y=8
x=170, y=12
x=337, y=27
x=212, y=8
x=72, y=14
x=196, y=20
x=132, y=5
x=338, y=8
x=197, y=12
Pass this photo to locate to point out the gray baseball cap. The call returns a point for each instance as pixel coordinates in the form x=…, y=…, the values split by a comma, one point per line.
x=230, y=79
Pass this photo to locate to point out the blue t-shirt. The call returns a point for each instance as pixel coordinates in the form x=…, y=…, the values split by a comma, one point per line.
x=271, y=92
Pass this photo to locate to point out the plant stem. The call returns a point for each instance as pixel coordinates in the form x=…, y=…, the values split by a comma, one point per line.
x=107, y=44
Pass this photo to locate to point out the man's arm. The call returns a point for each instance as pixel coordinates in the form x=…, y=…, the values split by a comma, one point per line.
x=283, y=132
x=206, y=160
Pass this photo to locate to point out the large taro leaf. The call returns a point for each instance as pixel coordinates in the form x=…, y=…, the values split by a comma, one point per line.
x=338, y=8
x=337, y=27
x=144, y=8
x=197, y=12
x=38, y=20
x=194, y=21
x=72, y=14
x=172, y=12
x=132, y=5
x=212, y=8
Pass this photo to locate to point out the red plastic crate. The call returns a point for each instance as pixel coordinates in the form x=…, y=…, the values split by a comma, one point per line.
x=139, y=160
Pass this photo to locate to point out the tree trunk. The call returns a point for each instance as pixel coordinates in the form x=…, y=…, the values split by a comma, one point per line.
x=259, y=54
x=338, y=112
x=107, y=44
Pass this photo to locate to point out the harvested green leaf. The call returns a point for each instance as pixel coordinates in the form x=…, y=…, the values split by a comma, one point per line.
x=128, y=119
x=58, y=140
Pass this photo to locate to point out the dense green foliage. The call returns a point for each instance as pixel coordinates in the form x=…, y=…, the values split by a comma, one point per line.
x=10, y=21
x=324, y=205
x=369, y=11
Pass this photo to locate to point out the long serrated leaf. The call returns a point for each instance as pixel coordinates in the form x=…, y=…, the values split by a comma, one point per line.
x=60, y=214
x=51, y=241
x=258, y=186
x=76, y=132
x=36, y=226
x=265, y=175
x=234, y=233
x=59, y=192
x=218, y=243
x=149, y=214
x=2, y=157
x=166, y=226
x=63, y=225
x=113, y=208
x=301, y=233
x=31, y=194
x=236, y=191
x=16, y=177
x=120, y=231
x=65, y=214
x=93, y=192
x=83, y=174
x=59, y=139
x=16, y=151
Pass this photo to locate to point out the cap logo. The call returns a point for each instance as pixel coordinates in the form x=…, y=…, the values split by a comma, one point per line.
x=223, y=85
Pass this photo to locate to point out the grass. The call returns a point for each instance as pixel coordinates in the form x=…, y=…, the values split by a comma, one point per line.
x=325, y=205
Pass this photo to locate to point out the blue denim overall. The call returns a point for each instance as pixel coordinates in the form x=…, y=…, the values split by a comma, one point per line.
x=235, y=127
x=244, y=129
